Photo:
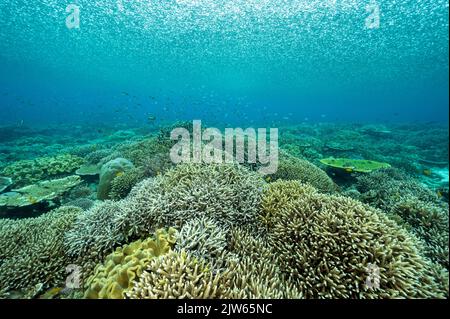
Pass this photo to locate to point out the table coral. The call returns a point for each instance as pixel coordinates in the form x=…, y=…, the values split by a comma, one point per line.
x=354, y=165
x=37, y=193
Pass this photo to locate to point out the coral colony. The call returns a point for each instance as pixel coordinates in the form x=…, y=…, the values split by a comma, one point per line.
x=116, y=218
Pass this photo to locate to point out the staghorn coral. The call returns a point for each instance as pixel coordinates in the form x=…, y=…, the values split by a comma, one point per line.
x=27, y=172
x=293, y=168
x=429, y=222
x=32, y=250
x=83, y=203
x=227, y=192
x=122, y=184
x=254, y=272
x=179, y=275
x=328, y=244
x=94, y=234
x=203, y=237
x=414, y=206
x=114, y=277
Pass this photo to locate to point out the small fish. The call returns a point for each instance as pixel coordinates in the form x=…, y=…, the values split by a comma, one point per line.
x=120, y=173
x=427, y=172
x=32, y=200
x=151, y=118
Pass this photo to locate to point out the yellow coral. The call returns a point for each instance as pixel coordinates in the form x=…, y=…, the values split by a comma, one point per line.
x=115, y=276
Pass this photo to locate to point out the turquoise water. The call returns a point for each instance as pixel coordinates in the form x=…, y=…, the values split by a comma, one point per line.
x=207, y=59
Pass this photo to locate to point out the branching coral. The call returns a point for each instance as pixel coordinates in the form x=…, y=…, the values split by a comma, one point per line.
x=430, y=223
x=179, y=275
x=114, y=277
x=203, y=237
x=254, y=272
x=293, y=168
x=416, y=207
x=229, y=193
x=329, y=244
x=32, y=250
x=94, y=234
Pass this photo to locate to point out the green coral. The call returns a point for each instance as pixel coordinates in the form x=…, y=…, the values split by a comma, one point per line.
x=327, y=244
x=354, y=165
x=41, y=192
x=27, y=172
x=88, y=170
x=32, y=250
x=113, y=278
x=109, y=171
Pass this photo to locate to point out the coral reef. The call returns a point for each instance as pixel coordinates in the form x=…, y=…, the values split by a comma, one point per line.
x=41, y=192
x=353, y=165
x=329, y=244
x=179, y=275
x=109, y=172
x=113, y=278
x=227, y=192
x=27, y=172
x=293, y=168
x=32, y=250
x=287, y=235
x=203, y=237
x=122, y=184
